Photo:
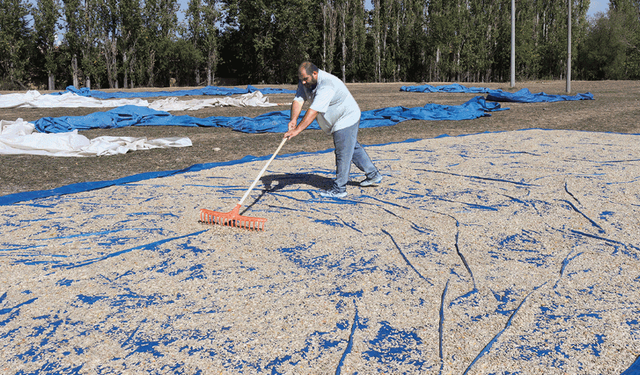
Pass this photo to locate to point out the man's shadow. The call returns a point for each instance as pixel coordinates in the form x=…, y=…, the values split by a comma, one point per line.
x=277, y=182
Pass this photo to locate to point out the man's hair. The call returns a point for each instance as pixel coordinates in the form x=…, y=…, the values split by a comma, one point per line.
x=308, y=67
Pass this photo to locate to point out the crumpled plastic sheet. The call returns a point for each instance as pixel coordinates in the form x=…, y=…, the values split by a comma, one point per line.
x=520, y=96
x=18, y=138
x=33, y=99
x=208, y=90
x=274, y=122
x=420, y=275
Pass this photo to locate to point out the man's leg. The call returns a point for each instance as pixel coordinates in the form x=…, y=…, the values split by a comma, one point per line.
x=362, y=160
x=344, y=141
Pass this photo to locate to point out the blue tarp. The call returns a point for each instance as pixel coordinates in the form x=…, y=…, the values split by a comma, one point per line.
x=454, y=87
x=95, y=185
x=272, y=122
x=521, y=96
x=208, y=90
x=525, y=96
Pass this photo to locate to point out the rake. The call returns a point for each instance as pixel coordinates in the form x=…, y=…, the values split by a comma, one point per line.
x=233, y=217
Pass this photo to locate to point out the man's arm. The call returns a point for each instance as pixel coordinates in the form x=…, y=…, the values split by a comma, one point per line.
x=296, y=108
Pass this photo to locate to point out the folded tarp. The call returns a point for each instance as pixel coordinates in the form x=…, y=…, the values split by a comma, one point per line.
x=525, y=96
x=454, y=87
x=208, y=90
x=522, y=96
x=272, y=122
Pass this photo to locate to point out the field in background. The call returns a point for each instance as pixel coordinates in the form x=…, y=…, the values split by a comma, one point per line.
x=615, y=109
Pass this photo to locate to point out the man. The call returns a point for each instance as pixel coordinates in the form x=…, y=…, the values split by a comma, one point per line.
x=339, y=115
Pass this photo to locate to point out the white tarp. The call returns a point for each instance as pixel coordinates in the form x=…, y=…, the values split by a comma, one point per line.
x=253, y=99
x=18, y=137
x=33, y=99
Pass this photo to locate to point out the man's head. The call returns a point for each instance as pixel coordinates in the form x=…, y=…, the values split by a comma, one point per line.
x=308, y=74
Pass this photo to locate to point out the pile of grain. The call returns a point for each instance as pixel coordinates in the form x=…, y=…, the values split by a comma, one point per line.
x=492, y=253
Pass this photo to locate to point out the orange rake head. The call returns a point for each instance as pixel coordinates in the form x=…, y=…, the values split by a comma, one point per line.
x=232, y=219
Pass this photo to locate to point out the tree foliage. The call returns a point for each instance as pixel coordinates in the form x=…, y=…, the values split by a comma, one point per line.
x=16, y=41
x=128, y=43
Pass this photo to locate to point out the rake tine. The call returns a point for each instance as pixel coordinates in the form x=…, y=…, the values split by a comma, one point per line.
x=233, y=217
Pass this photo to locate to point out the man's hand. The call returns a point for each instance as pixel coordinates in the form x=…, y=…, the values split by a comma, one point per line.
x=293, y=131
x=296, y=108
x=293, y=124
x=304, y=123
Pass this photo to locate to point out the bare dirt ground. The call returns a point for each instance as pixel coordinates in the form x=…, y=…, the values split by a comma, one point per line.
x=615, y=109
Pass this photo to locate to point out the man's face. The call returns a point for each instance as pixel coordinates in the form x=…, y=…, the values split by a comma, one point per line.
x=308, y=80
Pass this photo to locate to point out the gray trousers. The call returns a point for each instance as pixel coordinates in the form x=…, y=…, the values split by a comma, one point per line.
x=349, y=150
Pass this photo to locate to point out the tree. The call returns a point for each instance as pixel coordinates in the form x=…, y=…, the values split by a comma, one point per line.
x=195, y=31
x=329, y=30
x=597, y=62
x=159, y=23
x=46, y=18
x=270, y=38
x=109, y=27
x=15, y=41
x=211, y=17
x=625, y=16
x=81, y=39
x=357, y=68
x=130, y=24
x=73, y=35
x=440, y=30
x=344, y=12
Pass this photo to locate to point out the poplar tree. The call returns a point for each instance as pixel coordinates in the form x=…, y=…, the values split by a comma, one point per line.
x=329, y=31
x=109, y=26
x=625, y=15
x=73, y=36
x=211, y=18
x=46, y=23
x=81, y=38
x=343, y=12
x=159, y=23
x=130, y=24
x=270, y=37
x=357, y=68
x=194, y=31
x=15, y=43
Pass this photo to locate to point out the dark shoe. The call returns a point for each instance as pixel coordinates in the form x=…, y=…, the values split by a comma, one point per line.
x=333, y=194
x=371, y=181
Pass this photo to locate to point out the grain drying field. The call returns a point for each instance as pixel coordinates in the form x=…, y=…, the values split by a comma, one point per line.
x=493, y=250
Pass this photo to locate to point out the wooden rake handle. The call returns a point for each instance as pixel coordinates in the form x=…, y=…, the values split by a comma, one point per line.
x=262, y=171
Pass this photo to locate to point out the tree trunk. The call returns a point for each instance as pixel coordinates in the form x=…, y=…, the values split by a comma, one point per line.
x=74, y=68
x=110, y=52
x=152, y=61
x=324, y=37
x=345, y=9
x=52, y=81
x=329, y=16
x=376, y=41
x=126, y=70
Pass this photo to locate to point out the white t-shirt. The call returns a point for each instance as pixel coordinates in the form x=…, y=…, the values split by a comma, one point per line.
x=337, y=109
